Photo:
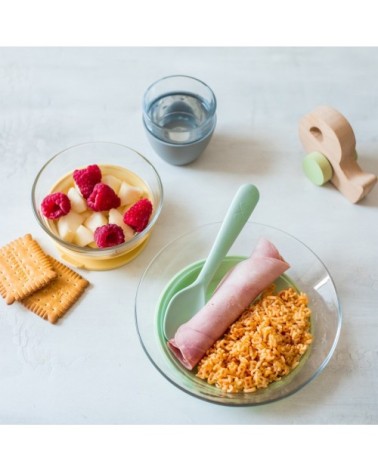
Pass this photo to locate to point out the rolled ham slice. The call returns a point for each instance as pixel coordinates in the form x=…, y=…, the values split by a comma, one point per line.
x=233, y=295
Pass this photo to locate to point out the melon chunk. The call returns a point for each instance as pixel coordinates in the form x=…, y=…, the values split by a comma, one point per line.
x=112, y=181
x=78, y=203
x=83, y=236
x=86, y=214
x=68, y=224
x=129, y=194
x=95, y=220
x=115, y=217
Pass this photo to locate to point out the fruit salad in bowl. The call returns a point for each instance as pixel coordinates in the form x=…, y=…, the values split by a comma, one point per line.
x=99, y=202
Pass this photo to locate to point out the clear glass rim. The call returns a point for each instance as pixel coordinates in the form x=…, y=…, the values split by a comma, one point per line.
x=221, y=400
x=212, y=110
x=97, y=251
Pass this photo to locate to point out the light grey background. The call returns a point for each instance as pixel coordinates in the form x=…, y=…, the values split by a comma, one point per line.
x=91, y=368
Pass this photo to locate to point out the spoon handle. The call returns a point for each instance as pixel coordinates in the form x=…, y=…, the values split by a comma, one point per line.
x=236, y=217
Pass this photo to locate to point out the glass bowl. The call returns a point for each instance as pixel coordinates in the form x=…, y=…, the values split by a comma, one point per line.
x=115, y=157
x=178, y=264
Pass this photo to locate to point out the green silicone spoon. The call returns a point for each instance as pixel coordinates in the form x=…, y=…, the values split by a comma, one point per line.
x=188, y=301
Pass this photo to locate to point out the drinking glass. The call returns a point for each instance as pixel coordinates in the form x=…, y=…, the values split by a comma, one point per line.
x=179, y=115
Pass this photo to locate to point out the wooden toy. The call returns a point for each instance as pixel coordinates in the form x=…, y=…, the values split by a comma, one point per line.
x=329, y=139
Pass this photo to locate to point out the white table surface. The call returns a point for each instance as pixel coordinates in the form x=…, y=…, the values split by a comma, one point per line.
x=91, y=368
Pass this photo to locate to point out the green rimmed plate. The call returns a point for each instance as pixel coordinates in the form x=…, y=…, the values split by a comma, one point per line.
x=179, y=263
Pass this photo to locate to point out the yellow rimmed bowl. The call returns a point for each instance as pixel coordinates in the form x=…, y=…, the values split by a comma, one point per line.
x=113, y=157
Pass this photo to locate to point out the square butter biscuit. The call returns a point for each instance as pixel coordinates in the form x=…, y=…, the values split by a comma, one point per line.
x=56, y=298
x=24, y=269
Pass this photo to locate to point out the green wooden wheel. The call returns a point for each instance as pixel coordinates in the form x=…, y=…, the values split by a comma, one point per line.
x=317, y=168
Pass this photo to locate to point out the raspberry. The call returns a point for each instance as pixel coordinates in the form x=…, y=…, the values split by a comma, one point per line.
x=138, y=215
x=55, y=205
x=103, y=198
x=109, y=235
x=87, y=178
